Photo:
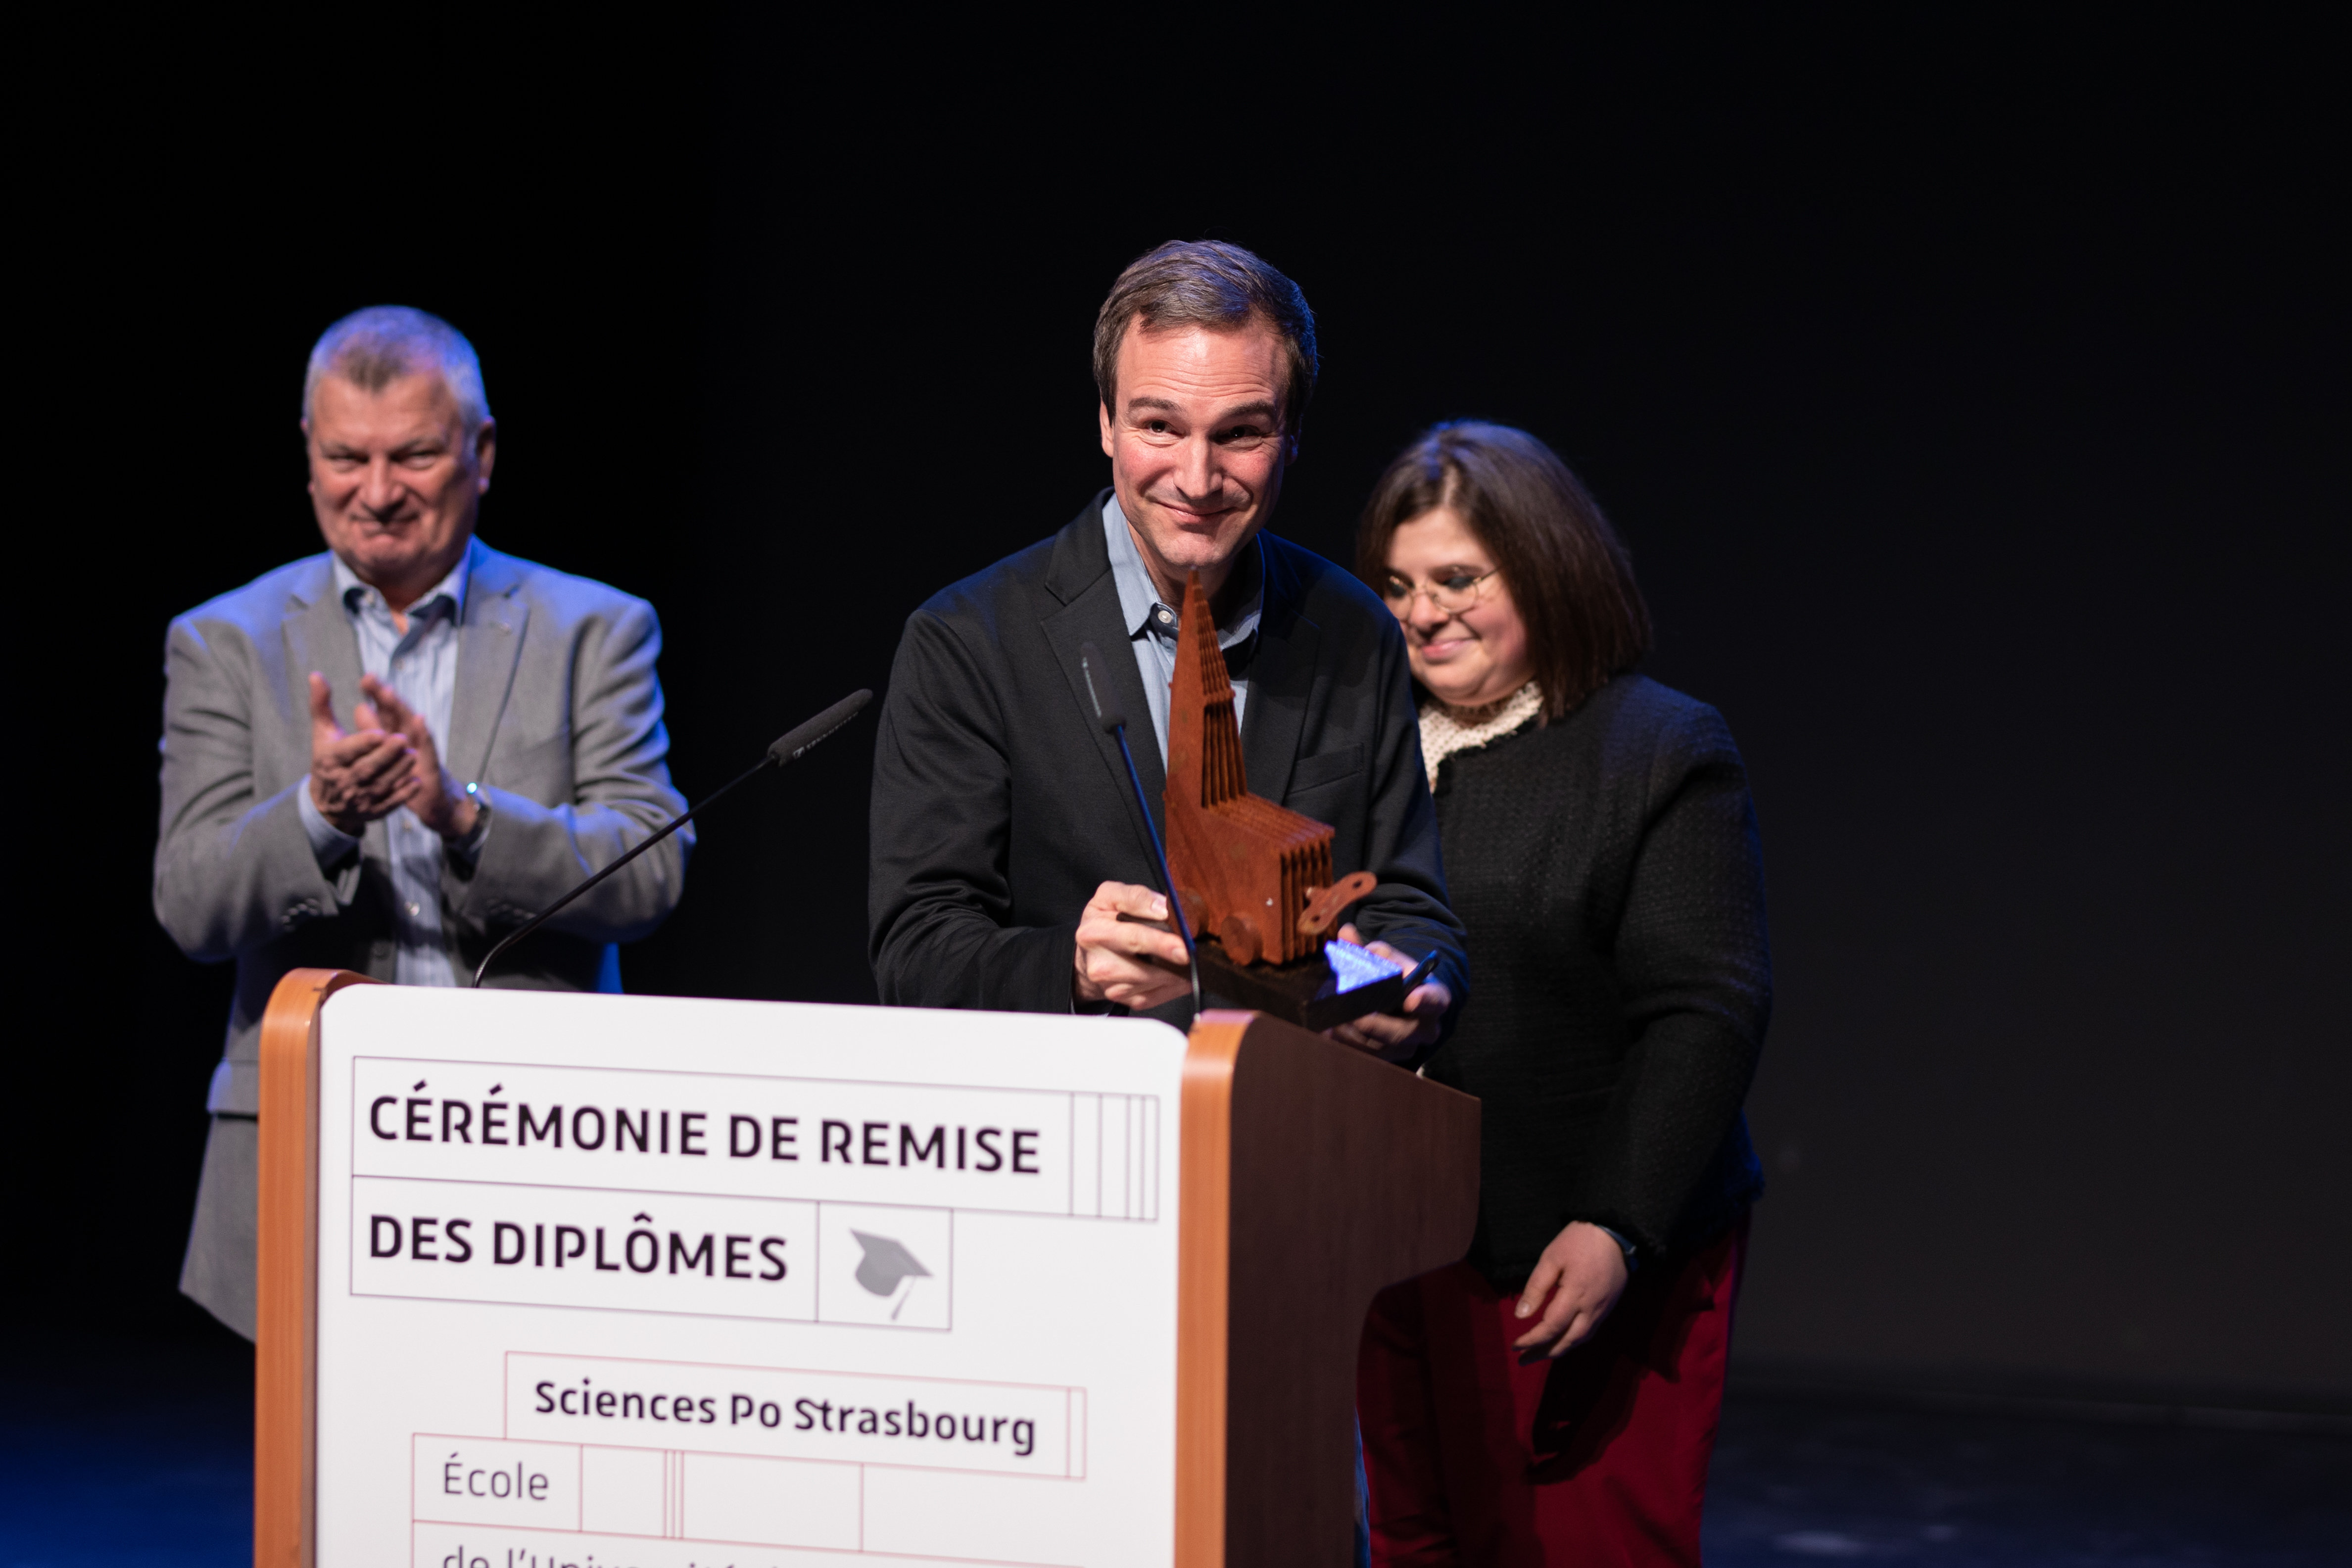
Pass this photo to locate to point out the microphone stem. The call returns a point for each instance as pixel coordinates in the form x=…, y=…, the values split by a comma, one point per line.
x=1167, y=881
x=541, y=918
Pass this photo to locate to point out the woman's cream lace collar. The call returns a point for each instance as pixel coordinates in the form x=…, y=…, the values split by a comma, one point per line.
x=1444, y=730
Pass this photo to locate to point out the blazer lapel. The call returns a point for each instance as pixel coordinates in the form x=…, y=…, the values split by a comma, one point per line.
x=1282, y=679
x=490, y=644
x=1084, y=609
x=317, y=635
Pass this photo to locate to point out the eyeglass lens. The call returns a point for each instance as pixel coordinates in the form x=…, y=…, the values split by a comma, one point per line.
x=1458, y=591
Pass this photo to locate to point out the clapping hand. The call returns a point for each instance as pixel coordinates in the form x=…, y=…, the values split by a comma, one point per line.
x=361, y=775
x=432, y=793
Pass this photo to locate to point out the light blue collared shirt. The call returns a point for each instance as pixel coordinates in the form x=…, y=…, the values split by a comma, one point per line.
x=421, y=665
x=1152, y=625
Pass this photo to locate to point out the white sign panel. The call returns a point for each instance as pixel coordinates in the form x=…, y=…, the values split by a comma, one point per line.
x=644, y=1282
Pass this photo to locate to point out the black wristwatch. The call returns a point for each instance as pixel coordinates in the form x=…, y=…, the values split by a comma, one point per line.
x=469, y=848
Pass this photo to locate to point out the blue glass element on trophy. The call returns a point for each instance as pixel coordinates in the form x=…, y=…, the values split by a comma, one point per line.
x=1352, y=966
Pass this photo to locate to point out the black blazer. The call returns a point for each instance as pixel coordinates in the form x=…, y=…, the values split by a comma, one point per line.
x=1608, y=870
x=998, y=805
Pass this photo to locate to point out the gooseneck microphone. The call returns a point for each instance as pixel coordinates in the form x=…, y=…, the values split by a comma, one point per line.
x=1114, y=722
x=791, y=747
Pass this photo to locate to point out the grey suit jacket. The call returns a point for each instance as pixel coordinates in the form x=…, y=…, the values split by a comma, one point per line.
x=557, y=713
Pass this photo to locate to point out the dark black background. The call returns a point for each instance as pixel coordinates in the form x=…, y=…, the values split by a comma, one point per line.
x=1972, y=397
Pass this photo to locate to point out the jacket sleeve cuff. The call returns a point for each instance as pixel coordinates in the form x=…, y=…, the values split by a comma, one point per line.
x=336, y=851
x=328, y=843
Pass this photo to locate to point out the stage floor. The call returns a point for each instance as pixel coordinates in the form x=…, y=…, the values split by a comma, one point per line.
x=138, y=1456
x=1795, y=1479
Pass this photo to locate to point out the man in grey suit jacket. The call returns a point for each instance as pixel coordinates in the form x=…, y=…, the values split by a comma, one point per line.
x=381, y=758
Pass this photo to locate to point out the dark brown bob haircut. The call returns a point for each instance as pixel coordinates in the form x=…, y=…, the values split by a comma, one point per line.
x=1208, y=283
x=1564, y=566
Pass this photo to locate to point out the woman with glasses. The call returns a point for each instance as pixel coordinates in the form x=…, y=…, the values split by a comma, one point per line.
x=1553, y=1397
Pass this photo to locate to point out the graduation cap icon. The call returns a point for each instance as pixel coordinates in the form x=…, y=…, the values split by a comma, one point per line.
x=886, y=1265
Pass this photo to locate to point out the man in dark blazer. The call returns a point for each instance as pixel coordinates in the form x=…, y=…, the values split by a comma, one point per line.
x=1007, y=841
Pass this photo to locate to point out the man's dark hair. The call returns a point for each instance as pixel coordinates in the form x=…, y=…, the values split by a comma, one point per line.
x=1564, y=566
x=1208, y=283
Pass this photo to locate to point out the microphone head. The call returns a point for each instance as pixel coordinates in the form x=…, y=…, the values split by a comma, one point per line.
x=802, y=739
x=1099, y=688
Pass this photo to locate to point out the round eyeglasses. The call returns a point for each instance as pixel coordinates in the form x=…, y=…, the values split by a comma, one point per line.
x=1449, y=595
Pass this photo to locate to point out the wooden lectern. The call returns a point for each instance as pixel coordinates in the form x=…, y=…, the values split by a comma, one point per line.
x=1307, y=1176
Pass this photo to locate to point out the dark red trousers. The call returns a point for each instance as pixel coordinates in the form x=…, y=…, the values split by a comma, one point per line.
x=1599, y=1457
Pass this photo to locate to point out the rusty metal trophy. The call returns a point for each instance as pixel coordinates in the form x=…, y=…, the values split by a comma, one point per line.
x=1254, y=878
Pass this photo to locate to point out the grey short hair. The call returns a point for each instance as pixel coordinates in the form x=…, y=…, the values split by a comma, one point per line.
x=373, y=348
x=1208, y=283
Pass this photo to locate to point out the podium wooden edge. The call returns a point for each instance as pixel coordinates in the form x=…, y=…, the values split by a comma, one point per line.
x=286, y=1296
x=1203, y=1264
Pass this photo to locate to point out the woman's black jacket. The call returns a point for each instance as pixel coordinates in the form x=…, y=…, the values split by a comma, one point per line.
x=1608, y=870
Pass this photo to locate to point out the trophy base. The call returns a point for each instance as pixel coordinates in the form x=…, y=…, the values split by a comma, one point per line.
x=1306, y=993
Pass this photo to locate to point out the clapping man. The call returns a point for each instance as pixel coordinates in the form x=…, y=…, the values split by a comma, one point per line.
x=383, y=757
